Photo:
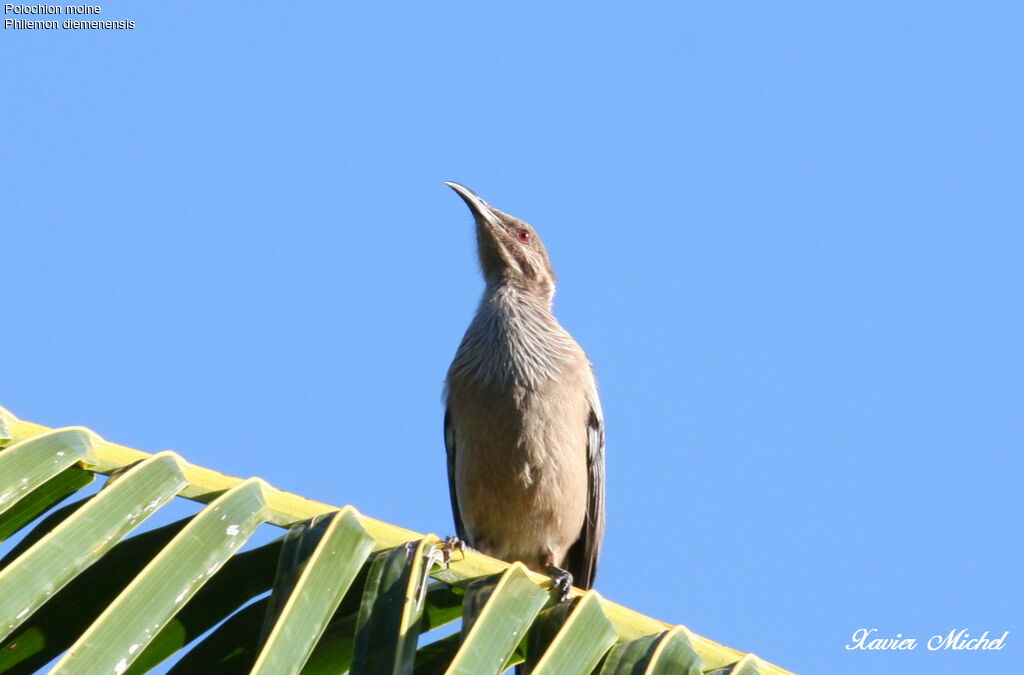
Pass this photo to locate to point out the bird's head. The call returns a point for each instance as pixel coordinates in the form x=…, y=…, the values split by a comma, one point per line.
x=510, y=250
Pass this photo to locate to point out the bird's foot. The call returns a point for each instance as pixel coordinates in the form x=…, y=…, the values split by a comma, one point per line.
x=562, y=580
x=450, y=545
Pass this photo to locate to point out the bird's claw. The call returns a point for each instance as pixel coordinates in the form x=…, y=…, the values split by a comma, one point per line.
x=561, y=580
x=449, y=545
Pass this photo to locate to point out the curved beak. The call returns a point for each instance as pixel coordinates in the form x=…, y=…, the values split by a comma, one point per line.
x=481, y=209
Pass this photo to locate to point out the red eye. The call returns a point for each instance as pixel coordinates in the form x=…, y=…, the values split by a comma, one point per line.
x=524, y=236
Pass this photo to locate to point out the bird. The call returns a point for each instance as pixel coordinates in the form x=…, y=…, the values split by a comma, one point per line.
x=523, y=426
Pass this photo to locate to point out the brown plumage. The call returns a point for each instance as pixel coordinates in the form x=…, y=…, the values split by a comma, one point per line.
x=523, y=423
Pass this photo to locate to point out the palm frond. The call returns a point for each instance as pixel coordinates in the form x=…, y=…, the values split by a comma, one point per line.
x=339, y=592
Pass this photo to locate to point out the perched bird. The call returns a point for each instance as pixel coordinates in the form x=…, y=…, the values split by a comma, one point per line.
x=523, y=425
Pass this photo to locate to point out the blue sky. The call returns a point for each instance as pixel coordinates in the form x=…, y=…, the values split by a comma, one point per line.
x=788, y=236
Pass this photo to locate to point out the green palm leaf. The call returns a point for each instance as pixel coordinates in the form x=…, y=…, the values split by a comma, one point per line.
x=340, y=592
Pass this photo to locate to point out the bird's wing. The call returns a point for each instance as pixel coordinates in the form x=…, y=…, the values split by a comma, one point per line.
x=449, y=445
x=582, y=558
